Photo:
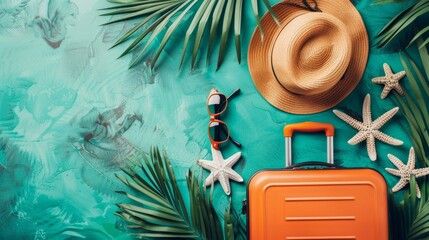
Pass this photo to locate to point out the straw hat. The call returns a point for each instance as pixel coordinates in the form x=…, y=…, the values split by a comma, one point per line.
x=313, y=60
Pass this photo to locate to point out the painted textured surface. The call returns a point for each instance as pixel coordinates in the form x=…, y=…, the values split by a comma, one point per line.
x=70, y=113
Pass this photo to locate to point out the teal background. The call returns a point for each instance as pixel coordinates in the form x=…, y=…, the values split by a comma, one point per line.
x=57, y=77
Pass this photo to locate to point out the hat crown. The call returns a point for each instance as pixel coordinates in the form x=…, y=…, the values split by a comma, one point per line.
x=311, y=53
x=313, y=56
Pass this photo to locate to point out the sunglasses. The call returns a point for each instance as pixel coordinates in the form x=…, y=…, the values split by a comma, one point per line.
x=218, y=130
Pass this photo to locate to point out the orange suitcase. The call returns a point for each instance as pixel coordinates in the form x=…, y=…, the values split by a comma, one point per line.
x=328, y=203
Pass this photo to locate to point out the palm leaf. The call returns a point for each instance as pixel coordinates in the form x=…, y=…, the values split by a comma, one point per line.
x=157, y=208
x=415, y=133
x=158, y=29
x=158, y=14
x=237, y=27
x=424, y=57
x=229, y=227
x=420, y=227
x=388, y=1
x=420, y=107
x=229, y=8
x=197, y=18
x=424, y=43
x=419, y=214
x=126, y=1
x=258, y=20
x=164, y=235
x=170, y=30
x=410, y=218
x=172, y=177
x=421, y=81
x=415, y=105
x=148, y=203
x=217, y=13
x=200, y=32
x=147, y=212
x=418, y=35
x=128, y=4
x=233, y=224
x=402, y=21
x=145, y=33
x=137, y=27
x=271, y=11
x=140, y=13
x=140, y=8
x=141, y=189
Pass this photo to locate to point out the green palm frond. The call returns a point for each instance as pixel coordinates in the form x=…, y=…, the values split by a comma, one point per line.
x=228, y=224
x=158, y=209
x=388, y=1
x=410, y=218
x=402, y=21
x=163, y=17
x=415, y=105
x=237, y=223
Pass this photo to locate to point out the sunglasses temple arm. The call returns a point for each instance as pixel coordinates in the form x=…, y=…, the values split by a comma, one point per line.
x=236, y=143
x=237, y=91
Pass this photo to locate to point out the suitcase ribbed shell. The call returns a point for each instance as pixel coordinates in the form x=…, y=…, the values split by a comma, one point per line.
x=318, y=204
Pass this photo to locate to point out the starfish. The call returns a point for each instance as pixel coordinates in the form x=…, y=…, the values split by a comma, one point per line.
x=390, y=81
x=405, y=171
x=368, y=129
x=221, y=169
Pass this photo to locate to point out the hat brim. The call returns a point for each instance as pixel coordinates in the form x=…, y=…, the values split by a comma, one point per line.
x=260, y=54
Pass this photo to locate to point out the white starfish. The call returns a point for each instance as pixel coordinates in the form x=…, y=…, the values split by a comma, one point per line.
x=390, y=81
x=368, y=129
x=221, y=169
x=405, y=171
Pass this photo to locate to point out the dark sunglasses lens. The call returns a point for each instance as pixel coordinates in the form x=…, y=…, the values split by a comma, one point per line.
x=218, y=131
x=216, y=103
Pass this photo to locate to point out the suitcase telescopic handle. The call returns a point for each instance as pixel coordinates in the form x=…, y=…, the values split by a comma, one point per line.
x=309, y=127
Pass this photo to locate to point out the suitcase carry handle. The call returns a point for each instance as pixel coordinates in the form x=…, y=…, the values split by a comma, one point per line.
x=309, y=127
x=313, y=163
